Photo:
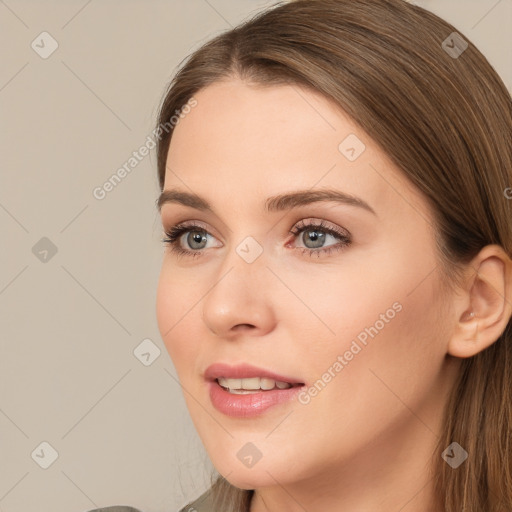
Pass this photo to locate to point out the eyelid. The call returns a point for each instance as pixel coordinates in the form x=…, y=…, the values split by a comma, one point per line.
x=192, y=224
x=302, y=222
x=322, y=224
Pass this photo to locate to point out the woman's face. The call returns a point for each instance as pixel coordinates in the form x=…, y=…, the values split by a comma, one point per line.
x=350, y=314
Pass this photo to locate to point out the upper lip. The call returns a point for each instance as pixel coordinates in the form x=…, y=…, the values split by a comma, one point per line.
x=244, y=371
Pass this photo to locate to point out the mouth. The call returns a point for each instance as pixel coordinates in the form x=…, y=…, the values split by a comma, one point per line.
x=245, y=391
x=252, y=385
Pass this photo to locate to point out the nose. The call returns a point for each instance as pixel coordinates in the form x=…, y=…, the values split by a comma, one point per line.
x=240, y=299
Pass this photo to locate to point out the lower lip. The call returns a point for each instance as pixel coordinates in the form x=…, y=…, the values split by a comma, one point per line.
x=250, y=404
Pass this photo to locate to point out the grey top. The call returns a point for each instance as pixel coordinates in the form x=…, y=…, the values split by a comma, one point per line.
x=202, y=504
x=115, y=508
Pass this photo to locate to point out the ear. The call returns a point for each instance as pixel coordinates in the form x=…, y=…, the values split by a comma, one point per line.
x=484, y=308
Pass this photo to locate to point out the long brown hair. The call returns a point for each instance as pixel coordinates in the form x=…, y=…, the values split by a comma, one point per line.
x=443, y=115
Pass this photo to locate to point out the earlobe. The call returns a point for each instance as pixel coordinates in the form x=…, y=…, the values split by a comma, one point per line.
x=488, y=292
x=465, y=342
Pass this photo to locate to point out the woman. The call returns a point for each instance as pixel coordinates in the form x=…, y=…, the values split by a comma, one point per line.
x=336, y=291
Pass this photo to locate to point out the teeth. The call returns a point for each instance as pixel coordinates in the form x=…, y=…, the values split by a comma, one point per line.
x=242, y=386
x=253, y=383
x=267, y=384
x=230, y=383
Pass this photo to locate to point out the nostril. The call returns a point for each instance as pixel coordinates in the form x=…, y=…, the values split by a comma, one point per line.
x=243, y=327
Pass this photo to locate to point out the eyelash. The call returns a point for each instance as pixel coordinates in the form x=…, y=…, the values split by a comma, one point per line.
x=175, y=233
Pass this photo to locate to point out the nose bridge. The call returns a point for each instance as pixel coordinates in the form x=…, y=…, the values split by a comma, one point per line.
x=239, y=294
x=243, y=270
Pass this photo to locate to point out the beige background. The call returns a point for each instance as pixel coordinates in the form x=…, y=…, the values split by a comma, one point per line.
x=70, y=324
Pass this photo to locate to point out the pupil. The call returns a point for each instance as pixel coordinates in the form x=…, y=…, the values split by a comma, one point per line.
x=197, y=237
x=315, y=236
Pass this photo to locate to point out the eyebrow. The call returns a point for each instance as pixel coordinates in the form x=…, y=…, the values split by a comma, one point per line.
x=277, y=203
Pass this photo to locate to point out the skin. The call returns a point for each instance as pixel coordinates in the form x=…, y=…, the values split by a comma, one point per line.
x=365, y=442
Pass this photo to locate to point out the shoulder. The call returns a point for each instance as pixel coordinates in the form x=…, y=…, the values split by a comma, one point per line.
x=202, y=504
x=115, y=508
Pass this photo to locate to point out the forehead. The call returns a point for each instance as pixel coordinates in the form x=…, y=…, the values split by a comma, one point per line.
x=247, y=143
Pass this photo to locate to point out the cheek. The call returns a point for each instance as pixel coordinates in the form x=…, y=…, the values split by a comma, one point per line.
x=362, y=397
x=392, y=345
x=175, y=312
x=386, y=318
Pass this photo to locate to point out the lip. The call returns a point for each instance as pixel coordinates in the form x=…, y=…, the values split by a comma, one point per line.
x=252, y=404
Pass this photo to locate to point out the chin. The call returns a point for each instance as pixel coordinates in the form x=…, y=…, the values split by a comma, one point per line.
x=263, y=473
x=249, y=479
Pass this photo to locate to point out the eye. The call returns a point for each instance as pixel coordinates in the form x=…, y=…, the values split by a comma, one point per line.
x=196, y=238
x=316, y=236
